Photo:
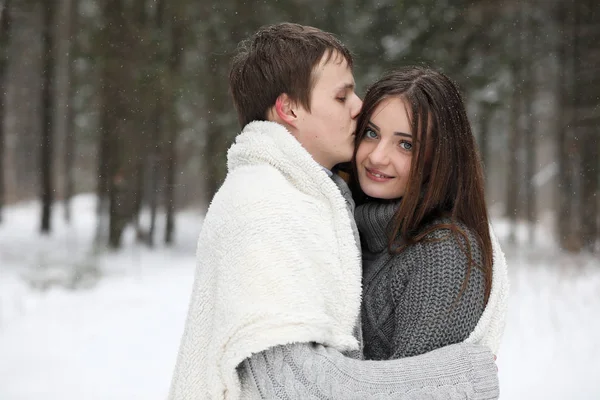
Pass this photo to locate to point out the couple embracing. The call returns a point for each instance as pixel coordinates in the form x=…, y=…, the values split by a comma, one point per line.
x=348, y=254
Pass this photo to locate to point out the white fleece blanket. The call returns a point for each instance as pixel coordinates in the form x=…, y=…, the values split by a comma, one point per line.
x=490, y=328
x=277, y=263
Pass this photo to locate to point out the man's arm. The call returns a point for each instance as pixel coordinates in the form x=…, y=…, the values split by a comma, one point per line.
x=313, y=371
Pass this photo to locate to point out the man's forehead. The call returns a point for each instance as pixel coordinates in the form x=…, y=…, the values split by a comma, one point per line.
x=335, y=73
x=333, y=56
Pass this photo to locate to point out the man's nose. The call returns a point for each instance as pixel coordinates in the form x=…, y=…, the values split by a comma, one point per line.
x=356, y=106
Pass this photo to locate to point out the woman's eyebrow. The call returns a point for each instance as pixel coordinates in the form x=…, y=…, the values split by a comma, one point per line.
x=373, y=125
x=408, y=135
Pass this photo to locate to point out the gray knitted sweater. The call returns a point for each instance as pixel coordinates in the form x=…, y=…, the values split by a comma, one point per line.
x=314, y=371
x=311, y=371
x=411, y=302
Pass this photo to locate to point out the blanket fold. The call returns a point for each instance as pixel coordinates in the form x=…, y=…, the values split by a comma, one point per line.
x=277, y=263
x=490, y=328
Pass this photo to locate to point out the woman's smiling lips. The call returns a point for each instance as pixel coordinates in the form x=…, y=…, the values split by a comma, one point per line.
x=377, y=176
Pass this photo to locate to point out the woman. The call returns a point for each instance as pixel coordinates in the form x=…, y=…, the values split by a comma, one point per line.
x=429, y=264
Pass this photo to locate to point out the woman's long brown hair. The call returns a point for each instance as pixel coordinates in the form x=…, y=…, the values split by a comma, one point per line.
x=446, y=177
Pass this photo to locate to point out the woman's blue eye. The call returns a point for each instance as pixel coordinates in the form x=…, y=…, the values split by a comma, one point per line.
x=370, y=133
x=406, y=145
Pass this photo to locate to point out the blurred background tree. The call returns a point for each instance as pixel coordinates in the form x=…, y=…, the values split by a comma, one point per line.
x=129, y=98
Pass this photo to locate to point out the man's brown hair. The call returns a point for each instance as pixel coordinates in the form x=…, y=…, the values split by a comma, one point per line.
x=279, y=59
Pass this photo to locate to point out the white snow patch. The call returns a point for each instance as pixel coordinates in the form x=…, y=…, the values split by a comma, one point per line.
x=78, y=324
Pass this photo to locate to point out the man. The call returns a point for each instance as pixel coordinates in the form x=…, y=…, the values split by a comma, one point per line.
x=275, y=307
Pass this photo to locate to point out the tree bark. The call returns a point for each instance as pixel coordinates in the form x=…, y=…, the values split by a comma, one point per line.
x=484, y=129
x=587, y=117
x=69, y=151
x=142, y=29
x=528, y=96
x=115, y=117
x=172, y=125
x=102, y=192
x=157, y=129
x=47, y=142
x=512, y=184
x=5, y=26
x=219, y=129
x=106, y=153
x=214, y=151
x=515, y=134
x=567, y=150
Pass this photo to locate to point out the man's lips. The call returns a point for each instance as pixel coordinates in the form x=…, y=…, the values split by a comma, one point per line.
x=377, y=176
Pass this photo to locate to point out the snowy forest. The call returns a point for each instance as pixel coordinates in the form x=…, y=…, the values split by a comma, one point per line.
x=115, y=119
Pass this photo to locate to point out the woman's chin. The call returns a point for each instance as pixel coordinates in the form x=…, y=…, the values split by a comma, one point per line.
x=380, y=194
x=374, y=194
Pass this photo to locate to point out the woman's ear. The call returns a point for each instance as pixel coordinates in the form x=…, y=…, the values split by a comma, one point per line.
x=285, y=109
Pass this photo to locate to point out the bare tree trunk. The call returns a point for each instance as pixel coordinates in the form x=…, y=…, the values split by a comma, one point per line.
x=113, y=113
x=5, y=22
x=139, y=201
x=103, y=163
x=515, y=133
x=141, y=18
x=565, y=144
x=172, y=125
x=587, y=117
x=157, y=127
x=528, y=96
x=215, y=137
x=124, y=111
x=106, y=153
x=588, y=136
x=69, y=152
x=512, y=186
x=218, y=132
x=484, y=129
x=47, y=119
x=154, y=174
x=171, y=163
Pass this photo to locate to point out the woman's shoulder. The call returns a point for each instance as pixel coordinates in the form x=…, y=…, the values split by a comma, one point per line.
x=444, y=229
x=446, y=242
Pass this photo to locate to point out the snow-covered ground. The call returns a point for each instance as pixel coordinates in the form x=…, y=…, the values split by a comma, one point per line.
x=79, y=325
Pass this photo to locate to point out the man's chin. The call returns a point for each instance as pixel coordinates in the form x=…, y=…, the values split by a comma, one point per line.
x=346, y=160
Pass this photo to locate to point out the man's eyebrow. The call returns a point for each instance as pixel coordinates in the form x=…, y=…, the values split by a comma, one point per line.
x=349, y=85
x=408, y=135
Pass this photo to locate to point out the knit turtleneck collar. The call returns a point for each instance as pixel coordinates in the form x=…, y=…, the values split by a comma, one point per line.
x=372, y=220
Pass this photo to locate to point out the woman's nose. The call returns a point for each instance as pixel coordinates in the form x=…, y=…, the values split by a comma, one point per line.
x=379, y=155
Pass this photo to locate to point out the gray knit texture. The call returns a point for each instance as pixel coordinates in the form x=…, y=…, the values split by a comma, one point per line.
x=312, y=371
x=411, y=302
x=347, y=194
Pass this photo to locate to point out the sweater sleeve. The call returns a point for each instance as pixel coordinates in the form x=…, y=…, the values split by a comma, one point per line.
x=430, y=311
x=312, y=371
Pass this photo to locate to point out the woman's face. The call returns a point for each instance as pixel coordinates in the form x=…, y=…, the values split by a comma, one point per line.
x=384, y=155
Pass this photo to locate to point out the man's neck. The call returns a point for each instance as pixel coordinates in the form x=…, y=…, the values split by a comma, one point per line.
x=273, y=118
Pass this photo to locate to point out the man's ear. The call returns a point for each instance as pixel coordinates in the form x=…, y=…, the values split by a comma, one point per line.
x=286, y=109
